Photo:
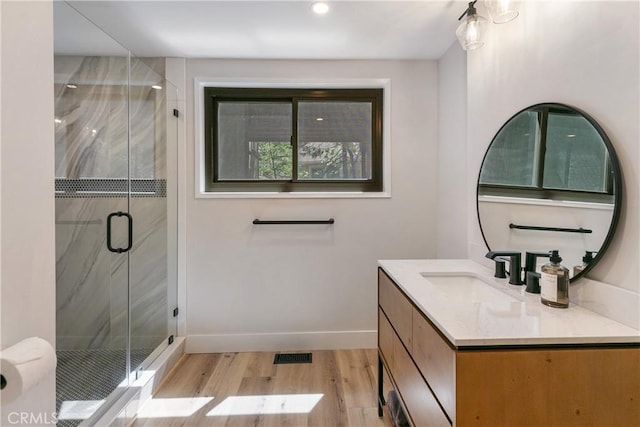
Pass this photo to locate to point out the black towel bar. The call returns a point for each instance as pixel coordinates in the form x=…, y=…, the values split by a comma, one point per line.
x=303, y=221
x=558, y=229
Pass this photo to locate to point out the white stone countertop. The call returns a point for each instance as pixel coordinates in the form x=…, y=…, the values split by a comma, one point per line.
x=501, y=314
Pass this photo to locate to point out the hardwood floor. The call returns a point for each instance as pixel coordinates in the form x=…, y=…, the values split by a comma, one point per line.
x=344, y=381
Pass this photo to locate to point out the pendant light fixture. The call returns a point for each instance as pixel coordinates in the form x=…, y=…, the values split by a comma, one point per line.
x=502, y=11
x=471, y=30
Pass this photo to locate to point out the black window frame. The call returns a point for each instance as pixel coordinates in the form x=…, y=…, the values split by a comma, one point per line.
x=214, y=95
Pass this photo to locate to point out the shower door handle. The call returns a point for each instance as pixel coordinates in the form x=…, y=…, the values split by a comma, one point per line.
x=130, y=236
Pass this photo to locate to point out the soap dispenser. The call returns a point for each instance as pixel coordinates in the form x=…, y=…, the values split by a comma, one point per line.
x=554, y=282
x=586, y=260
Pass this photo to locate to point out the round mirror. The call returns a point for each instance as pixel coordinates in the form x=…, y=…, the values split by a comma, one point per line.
x=550, y=180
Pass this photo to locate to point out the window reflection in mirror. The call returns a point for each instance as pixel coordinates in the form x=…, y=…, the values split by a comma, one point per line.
x=512, y=158
x=575, y=157
x=550, y=153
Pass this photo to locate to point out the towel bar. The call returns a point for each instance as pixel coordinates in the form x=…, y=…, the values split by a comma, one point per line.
x=300, y=221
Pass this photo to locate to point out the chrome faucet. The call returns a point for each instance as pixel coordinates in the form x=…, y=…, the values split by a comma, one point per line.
x=515, y=273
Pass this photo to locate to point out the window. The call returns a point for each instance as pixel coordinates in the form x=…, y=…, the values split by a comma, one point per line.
x=548, y=153
x=283, y=140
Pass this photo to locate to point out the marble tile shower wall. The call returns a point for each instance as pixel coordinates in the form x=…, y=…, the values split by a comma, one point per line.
x=92, y=118
x=95, y=113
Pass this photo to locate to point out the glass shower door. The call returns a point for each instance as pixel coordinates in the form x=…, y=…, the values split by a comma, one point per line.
x=116, y=217
x=153, y=134
x=92, y=203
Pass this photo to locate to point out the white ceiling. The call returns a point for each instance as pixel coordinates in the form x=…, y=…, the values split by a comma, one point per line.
x=262, y=29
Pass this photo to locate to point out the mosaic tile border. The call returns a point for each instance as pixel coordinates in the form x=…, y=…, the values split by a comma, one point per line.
x=104, y=187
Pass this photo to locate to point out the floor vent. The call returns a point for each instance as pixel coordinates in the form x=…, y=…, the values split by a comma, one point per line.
x=282, y=358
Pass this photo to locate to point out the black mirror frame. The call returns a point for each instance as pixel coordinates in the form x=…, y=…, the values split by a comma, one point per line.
x=617, y=184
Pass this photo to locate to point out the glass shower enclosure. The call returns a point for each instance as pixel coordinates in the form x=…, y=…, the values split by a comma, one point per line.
x=115, y=142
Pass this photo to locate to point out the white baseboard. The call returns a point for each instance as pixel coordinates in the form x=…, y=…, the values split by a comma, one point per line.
x=284, y=341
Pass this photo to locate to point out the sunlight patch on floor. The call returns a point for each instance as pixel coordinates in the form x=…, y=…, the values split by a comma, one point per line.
x=266, y=404
x=78, y=409
x=173, y=407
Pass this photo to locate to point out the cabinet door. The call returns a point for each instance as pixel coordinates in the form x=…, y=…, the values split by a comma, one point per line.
x=549, y=387
x=422, y=406
x=436, y=360
x=396, y=306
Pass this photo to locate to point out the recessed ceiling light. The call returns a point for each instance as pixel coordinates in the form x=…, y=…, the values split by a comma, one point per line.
x=156, y=87
x=72, y=86
x=320, y=7
x=57, y=121
x=571, y=135
x=319, y=119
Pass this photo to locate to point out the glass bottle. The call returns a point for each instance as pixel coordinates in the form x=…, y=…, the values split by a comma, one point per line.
x=586, y=260
x=554, y=282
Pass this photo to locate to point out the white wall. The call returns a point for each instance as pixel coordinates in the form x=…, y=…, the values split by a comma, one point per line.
x=310, y=287
x=452, y=207
x=584, y=54
x=27, y=263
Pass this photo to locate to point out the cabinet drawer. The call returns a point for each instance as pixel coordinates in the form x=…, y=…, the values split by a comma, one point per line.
x=436, y=360
x=422, y=406
x=396, y=306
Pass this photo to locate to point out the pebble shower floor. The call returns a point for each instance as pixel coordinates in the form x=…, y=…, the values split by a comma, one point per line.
x=89, y=375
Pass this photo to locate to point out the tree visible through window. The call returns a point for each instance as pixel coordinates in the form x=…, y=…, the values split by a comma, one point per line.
x=272, y=160
x=293, y=139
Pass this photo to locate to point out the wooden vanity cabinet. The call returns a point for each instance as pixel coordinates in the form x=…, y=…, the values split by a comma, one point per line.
x=440, y=385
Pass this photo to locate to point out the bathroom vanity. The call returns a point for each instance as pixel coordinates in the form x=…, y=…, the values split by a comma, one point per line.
x=462, y=348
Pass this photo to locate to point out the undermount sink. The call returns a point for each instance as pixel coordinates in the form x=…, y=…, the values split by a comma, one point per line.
x=467, y=287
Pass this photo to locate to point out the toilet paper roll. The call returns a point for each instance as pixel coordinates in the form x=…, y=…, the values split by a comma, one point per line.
x=24, y=365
